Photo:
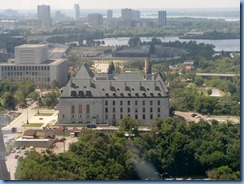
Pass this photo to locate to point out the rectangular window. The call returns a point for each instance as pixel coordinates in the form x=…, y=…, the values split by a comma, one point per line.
x=151, y=109
x=158, y=109
x=136, y=102
x=128, y=102
x=128, y=109
x=72, y=109
x=113, y=109
x=136, y=116
x=80, y=108
x=136, y=110
x=143, y=116
x=143, y=109
x=106, y=109
x=151, y=102
x=151, y=116
x=113, y=102
x=106, y=102
x=143, y=102
x=158, y=102
x=121, y=102
x=121, y=109
x=87, y=108
x=121, y=116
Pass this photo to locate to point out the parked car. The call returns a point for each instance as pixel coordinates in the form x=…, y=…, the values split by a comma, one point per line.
x=91, y=126
x=22, y=147
x=193, y=115
x=16, y=156
x=18, y=131
x=18, y=151
x=26, y=152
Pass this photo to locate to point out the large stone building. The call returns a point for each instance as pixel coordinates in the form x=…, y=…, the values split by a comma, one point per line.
x=32, y=63
x=96, y=98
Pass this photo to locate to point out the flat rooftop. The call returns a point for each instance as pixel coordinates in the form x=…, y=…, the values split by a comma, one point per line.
x=32, y=45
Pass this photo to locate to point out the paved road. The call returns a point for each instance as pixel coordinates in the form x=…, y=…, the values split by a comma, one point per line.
x=21, y=120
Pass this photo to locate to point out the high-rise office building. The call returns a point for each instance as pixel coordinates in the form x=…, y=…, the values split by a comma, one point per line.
x=44, y=15
x=161, y=18
x=95, y=19
x=76, y=11
x=136, y=15
x=126, y=14
x=109, y=15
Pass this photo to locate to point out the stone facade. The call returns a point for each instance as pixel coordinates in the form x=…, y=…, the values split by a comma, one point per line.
x=97, y=99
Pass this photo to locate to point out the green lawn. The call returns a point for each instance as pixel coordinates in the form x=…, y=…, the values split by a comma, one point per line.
x=44, y=114
x=33, y=125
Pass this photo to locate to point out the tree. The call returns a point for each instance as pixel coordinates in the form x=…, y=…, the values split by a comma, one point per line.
x=8, y=100
x=134, y=41
x=152, y=49
x=50, y=99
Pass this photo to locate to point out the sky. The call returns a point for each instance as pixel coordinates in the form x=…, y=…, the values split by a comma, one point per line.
x=118, y=4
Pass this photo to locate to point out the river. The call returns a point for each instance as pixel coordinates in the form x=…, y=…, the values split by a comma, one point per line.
x=225, y=45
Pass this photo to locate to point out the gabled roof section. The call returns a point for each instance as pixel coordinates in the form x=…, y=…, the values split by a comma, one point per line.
x=85, y=72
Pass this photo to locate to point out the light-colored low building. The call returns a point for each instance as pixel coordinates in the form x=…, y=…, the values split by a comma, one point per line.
x=32, y=63
x=92, y=98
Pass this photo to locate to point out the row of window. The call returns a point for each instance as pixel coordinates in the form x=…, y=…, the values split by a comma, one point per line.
x=22, y=79
x=16, y=68
x=80, y=109
x=129, y=109
x=135, y=116
x=129, y=102
x=121, y=116
x=26, y=73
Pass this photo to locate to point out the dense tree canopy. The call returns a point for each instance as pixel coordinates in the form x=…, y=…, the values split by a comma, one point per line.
x=173, y=146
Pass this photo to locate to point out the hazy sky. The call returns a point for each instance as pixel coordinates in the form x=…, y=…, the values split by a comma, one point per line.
x=117, y=4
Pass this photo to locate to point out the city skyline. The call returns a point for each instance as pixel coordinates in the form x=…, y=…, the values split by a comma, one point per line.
x=109, y=4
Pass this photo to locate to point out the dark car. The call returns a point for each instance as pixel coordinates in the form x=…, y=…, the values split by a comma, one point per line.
x=91, y=126
x=193, y=115
x=22, y=147
x=61, y=140
x=26, y=152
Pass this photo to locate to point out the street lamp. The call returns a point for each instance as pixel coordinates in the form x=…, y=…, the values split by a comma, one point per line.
x=161, y=175
x=27, y=122
x=63, y=136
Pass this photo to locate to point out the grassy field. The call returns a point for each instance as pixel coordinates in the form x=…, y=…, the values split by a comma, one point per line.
x=44, y=114
x=33, y=125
